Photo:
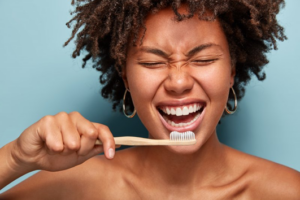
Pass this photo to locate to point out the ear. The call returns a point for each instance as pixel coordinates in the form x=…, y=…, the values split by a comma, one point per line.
x=232, y=76
x=124, y=77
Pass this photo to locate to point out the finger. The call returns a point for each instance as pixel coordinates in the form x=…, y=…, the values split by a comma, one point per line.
x=107, y=140
x=89, y=135
x=93, y=152
x=50, y=133
x=70, y=135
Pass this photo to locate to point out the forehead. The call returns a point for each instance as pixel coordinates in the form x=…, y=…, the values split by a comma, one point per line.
x=162, y=30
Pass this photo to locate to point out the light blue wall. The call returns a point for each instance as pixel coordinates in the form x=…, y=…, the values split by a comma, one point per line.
x=38, y=77
x=267, y=121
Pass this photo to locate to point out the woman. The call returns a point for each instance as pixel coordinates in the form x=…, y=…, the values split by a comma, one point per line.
x=166, y=58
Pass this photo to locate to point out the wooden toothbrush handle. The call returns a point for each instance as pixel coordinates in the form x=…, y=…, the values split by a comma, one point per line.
x=137, y=141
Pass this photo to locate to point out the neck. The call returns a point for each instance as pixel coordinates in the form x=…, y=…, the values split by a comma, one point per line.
x=203, y=167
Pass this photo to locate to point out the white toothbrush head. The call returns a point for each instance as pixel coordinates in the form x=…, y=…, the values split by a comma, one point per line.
x=178, y=136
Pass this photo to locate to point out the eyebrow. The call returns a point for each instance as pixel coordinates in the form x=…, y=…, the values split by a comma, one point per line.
x=199, y=48
x=155, y=51
x=166, y=55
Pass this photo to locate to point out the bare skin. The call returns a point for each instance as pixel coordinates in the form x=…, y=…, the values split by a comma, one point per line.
x=130, y=175
x=167, y=69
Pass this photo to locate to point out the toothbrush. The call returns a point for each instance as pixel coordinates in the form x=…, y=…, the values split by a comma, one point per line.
x=176, y=138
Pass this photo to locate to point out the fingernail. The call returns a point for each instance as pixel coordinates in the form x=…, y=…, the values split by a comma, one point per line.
x=111, y=153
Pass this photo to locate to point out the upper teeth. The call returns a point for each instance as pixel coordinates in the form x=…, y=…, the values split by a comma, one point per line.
x=181, y=110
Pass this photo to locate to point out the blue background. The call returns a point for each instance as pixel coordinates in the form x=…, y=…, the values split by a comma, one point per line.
x=38, y=77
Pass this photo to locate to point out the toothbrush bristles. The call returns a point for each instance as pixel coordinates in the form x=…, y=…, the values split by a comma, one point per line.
x=177, y=136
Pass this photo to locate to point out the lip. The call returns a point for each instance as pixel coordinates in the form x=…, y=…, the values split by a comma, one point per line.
x=190, y=127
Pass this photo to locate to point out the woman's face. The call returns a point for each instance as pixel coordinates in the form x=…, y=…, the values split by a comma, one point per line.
x=180, y=77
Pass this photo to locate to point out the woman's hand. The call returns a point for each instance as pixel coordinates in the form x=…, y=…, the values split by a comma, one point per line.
x=60, y=142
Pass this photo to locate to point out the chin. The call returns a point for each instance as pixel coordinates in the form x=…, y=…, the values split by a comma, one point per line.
x=184, y=150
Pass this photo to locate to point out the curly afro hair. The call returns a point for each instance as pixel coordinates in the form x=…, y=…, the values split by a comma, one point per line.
x=104, y=29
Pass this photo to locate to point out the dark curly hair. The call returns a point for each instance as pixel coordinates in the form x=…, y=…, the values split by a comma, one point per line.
x=104, y=29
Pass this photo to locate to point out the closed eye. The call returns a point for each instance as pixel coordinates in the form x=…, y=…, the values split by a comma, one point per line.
x=152, y=64
x=204, y=61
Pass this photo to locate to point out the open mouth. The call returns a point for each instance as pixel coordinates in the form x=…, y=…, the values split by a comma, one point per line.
x=181, y=117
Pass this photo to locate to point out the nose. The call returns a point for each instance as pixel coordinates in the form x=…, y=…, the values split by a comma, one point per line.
x=178, y=82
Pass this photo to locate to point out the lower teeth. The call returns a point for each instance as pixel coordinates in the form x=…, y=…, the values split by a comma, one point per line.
x=182, y=124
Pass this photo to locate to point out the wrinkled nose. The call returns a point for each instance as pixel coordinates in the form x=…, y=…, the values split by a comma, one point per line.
x=178, y=82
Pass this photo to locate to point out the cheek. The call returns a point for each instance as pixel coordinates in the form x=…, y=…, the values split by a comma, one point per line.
x=215, y=81
x=143, y=84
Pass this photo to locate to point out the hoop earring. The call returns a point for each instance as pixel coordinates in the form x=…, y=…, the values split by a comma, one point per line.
x=235, y=103
x=124, y=107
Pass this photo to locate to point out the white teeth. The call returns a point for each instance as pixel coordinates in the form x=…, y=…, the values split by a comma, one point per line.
x=195, y=107
x=168, y=111
x=191, y=109
x=178, y=112
x=173, y=112
x=182, y=124
x=185, y=111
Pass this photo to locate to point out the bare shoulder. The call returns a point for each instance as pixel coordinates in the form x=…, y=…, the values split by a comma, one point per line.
x=276, y=181
x=267, y=179
x=97, y=178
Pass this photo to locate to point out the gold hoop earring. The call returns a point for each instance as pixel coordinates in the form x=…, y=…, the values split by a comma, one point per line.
x=235, y=103
x=124, y=107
